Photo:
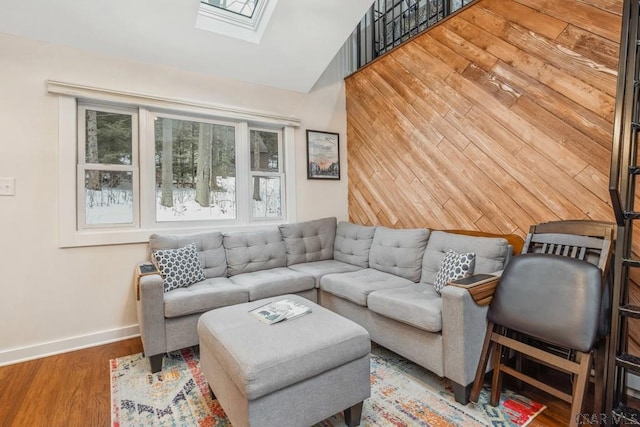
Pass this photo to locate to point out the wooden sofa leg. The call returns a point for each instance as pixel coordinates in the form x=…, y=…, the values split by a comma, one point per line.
x=461, y=392
x=156, y=363
x=352, y=415
x=481, y=370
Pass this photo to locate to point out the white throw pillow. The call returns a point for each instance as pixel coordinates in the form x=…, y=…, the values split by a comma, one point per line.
x=454, y=266
x=179, y=267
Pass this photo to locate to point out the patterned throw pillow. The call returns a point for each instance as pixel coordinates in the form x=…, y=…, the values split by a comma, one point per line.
x=454, y=266
x=179, y=267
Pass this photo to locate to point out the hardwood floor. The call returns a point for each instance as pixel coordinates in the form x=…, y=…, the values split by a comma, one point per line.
x=72, y=389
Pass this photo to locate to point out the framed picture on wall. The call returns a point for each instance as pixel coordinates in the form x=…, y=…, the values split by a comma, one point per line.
x=323, y=155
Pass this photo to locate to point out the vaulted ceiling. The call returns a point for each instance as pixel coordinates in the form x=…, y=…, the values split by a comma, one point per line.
x=301, y=39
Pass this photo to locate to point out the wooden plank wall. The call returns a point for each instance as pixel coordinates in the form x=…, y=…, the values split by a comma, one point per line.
x=498, y=118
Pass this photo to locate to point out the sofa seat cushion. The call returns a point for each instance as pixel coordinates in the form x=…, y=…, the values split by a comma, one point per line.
x=273, y=282
x=357, y=285
x=491, y=253
x=320, y=268
x=399, y=251
x=417, y=305
x=353, y=243
x=203, y=296
x=309, y=241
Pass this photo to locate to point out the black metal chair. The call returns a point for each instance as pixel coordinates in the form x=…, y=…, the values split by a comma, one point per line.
x=551, y=298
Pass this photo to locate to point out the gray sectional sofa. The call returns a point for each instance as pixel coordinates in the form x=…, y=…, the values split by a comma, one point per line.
x=379, y=277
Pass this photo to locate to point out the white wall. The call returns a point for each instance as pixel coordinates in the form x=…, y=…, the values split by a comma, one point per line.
x=57, y=299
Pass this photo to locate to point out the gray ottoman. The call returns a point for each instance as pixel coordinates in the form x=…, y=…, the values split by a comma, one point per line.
x=293, y=373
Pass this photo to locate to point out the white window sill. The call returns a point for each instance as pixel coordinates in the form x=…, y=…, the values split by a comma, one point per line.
x=118, y=237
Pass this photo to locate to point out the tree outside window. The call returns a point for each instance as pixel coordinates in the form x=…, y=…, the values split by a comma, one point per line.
x=106, y=167
x=195, y=170
x=190, y=173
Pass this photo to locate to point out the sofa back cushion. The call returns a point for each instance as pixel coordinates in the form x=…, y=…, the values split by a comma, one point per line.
x=208, y=246
x=309, y=241
x=399, y=251
x=353, y=243
x=491, y=253
x=253, y=251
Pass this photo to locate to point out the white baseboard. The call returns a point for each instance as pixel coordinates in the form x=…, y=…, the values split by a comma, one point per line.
x=37, y=351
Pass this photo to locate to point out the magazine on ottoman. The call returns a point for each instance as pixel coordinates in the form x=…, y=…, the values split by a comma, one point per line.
x=278, y=311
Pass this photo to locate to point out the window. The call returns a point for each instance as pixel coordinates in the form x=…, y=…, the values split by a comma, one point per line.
x=242, y=19
x=107, y=177
x=195, y=169
x=133, y=164
x=266, y=173
x=242, y=7
x=193, y=176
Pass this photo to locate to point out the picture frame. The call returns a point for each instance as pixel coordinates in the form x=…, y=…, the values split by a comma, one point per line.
x=323, y=155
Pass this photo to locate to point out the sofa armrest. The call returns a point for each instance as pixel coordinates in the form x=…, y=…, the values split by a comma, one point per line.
x=464, y=324
x=150, y=306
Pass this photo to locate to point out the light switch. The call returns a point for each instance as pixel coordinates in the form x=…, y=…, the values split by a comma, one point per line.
x=7, y=186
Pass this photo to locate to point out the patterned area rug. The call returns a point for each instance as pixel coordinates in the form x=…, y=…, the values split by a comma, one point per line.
x=402, y=394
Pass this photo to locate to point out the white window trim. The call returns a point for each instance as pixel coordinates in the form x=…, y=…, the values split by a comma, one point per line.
x=82, y=166
x=216, y=20
x=68, y=233
x=174, y=104
x=279, y=174
x=148, y=179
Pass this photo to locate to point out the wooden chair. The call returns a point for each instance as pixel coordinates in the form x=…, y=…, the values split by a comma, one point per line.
x=587, y=240
x=590, y=241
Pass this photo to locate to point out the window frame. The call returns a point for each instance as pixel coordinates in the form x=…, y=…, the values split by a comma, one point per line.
x=148, y=181
x=83, y=166
x=69, y=95
x=279, y=174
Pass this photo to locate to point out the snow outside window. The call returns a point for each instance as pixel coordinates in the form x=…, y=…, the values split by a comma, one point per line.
x=107, y=167
x=195, y=164
x=146, y=169
x=266, y=173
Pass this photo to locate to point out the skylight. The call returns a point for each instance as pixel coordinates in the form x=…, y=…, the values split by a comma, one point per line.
x=241, y=19
x=241, y=7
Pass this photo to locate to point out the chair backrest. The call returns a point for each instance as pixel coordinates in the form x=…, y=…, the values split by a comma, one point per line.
x=550, y=297
x=586, y=240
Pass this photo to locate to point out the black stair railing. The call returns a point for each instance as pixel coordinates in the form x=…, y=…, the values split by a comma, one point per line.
x=624, y=170
x=389, y=23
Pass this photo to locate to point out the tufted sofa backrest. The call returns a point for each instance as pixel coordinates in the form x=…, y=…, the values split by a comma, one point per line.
x=492, y=253
x=399, y=251
x=253, y=251
x=310, y=240
x=208, y=244
x=353, y=243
